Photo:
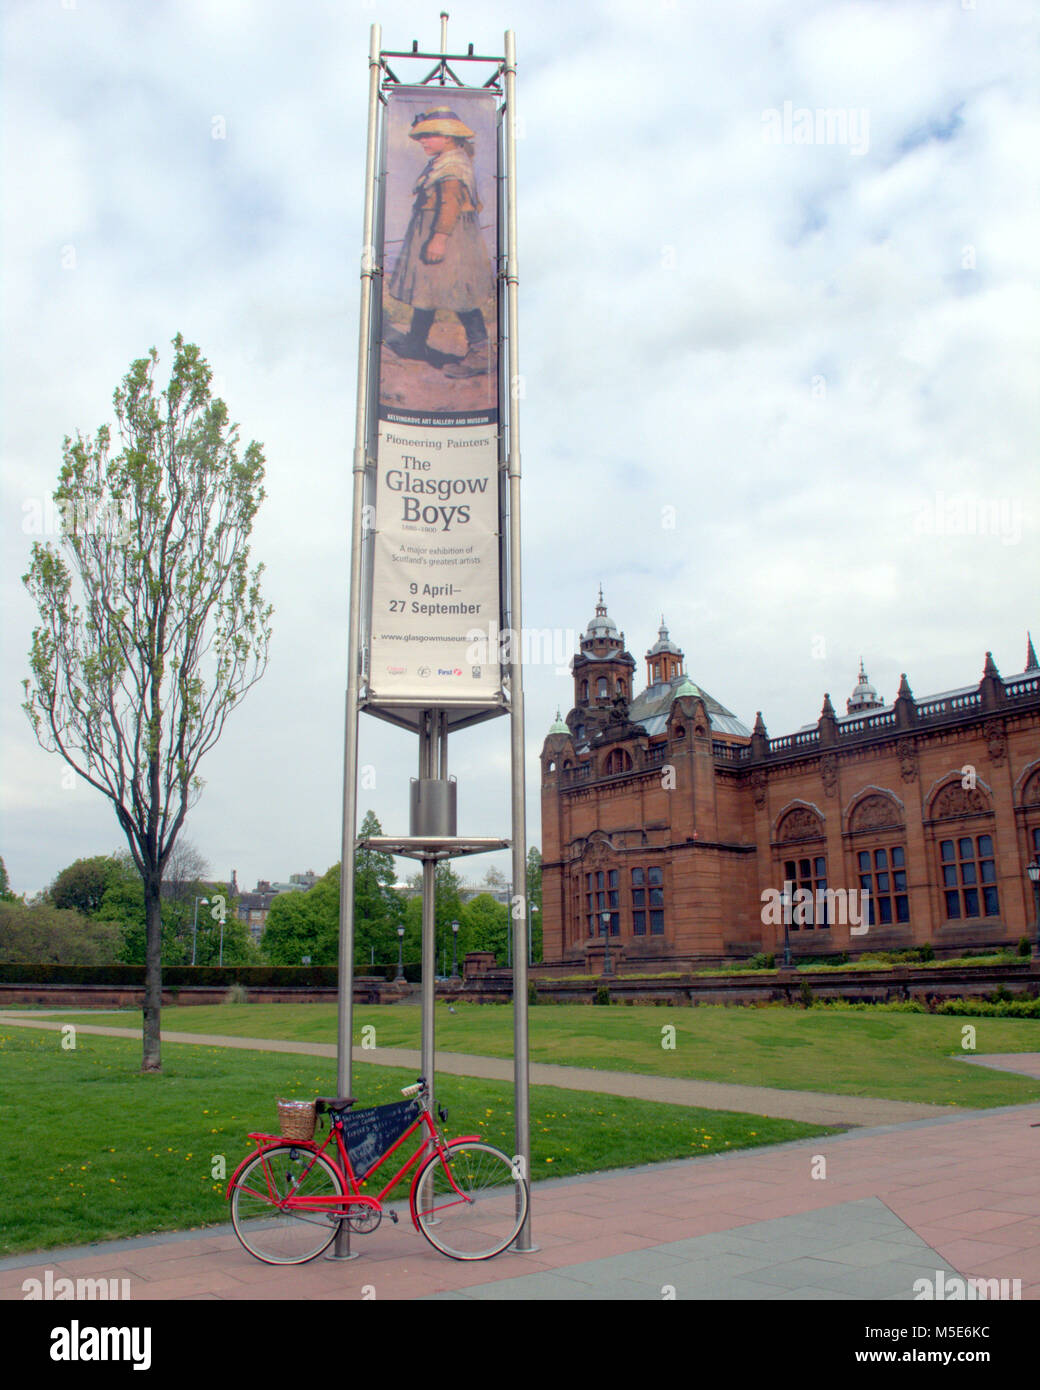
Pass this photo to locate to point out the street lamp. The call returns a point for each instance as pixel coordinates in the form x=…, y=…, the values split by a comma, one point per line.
x=400, y=948
x=532, y=907
x=608, y=967
x=454, y=950
x=195, y=927
x=1033, y=870
x=787, y=899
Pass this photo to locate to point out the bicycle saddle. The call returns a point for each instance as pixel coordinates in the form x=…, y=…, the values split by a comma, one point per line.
x=323, y=1103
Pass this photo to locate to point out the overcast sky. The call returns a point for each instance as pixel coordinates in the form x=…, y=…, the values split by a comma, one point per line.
x=778, y=335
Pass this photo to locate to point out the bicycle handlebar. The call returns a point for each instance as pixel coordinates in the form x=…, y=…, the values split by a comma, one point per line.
x=420, y=1085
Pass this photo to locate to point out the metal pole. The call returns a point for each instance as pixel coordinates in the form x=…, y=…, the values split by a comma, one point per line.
x=345, y=1013
x=429, y=737
x=521, y=1067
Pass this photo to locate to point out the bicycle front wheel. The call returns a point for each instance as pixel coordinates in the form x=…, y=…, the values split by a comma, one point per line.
x=281, y=1237
x=470, y=1204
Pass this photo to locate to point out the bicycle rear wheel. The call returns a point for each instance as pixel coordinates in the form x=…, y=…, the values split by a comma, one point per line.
x=471, y=1204
x=285, y=1237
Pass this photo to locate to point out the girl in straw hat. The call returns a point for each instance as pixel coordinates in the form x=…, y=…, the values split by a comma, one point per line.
x=444, y=263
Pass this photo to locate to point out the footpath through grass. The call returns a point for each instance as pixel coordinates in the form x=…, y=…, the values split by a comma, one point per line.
x=855, y=1051
x=93, y=1150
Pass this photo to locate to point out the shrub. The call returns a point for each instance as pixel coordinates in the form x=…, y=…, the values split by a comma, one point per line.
x=1025, y=946
x=760, y=961
x=532, y=992
x=808, y=998
x=237, y=994
x=602, y=994
x=927, y=952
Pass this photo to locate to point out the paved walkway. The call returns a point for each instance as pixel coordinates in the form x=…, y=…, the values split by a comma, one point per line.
x=894, y=1211
x=813, y=1107
x=864, y=1214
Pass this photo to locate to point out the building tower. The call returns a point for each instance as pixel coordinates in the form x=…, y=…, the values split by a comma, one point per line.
x=603, y=673
x=864, y=698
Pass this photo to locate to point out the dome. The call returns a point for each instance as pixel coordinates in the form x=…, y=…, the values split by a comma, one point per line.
x=865, y=696
x=559, y=727
x=664, y=643
x=601, y=625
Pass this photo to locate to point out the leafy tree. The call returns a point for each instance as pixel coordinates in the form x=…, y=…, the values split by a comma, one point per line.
x=485, y=923
x=134, y=688
x=534, y=899
x=307, y=924
x=304, y=924
x=378, y=909
x=82, y=886
x=43, y=932
x=6, y=895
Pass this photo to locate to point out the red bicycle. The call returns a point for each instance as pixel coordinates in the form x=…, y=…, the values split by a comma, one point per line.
x=288, y=1199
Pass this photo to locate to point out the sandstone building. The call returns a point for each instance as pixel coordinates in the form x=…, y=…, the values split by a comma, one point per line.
x=668, y=820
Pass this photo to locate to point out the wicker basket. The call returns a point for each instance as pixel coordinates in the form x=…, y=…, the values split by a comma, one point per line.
x=296, y=1119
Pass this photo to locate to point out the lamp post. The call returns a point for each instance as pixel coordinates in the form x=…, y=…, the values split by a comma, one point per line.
x=400, y=948
x=532, y=908
x=786, y=899
x=608, y=967
x=1033, y=870
x=454, y=950
x=195, y=926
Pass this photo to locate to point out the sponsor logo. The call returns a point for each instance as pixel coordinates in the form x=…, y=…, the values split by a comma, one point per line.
x=396, y=670
x=423, y=671
x=448, y=671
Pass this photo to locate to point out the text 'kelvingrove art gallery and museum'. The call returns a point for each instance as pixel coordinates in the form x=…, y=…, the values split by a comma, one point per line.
x=672, y=833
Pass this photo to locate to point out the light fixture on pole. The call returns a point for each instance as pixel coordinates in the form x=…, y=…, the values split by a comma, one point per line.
x=608, y=967
x=1033, y=870
x=454, y=950
x=400, y=948
x=195, y=927
x=787, y=899
x=532, y=908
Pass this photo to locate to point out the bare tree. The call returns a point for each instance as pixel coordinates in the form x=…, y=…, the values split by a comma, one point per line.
x=135, y=687
x=186, y=867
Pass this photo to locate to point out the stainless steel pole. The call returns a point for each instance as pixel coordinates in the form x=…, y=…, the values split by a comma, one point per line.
x=429, y=741
x=518, y=908
x=345, y=1014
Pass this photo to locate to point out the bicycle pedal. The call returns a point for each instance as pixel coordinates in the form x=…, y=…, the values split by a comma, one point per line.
x=393, y=1217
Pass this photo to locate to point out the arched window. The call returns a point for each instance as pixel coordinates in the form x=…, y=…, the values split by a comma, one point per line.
x=584, y=690
x=967, y=862
x=881, y=862
x=601, y=688
x=618, y=761
x=621, y=688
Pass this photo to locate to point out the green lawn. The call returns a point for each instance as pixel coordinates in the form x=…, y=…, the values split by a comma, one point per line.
x=93, y=1150
x=862, y=1052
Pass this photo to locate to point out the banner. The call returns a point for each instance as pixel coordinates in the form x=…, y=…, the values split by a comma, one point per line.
x=436, y=554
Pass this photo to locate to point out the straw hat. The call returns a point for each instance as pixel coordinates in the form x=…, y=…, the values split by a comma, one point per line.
x=439, y=121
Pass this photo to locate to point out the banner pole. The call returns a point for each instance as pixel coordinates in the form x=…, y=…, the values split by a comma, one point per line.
x=345, y=1009
x=521, y=1068
x=429, y=739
